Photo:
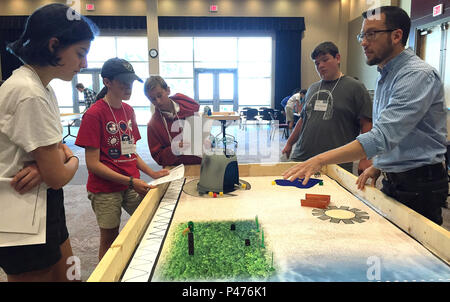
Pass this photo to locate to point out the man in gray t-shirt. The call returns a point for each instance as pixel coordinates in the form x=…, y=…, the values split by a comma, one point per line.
x=338, y=108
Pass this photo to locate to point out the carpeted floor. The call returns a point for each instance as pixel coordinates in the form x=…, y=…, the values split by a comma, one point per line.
x=81, y=222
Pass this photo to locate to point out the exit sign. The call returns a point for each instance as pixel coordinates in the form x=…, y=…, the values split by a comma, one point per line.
x=213, y=8
x=438, y=10
x=90, y=7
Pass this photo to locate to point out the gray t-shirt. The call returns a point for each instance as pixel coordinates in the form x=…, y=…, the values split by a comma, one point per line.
x=331, y=116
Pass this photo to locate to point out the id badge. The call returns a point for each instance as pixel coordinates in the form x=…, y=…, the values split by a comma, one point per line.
x=127, y=145
x=321, y=105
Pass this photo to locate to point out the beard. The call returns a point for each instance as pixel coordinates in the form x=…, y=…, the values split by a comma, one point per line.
x=373, y=61
x=383, y=55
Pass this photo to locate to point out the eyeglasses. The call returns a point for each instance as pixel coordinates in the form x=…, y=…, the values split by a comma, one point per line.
x=370, y=36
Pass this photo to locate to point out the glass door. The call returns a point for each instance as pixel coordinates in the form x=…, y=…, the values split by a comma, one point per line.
x=434, y=48
x=446, y=65
x=430, y=46
x=216, y=88
x=90, y=78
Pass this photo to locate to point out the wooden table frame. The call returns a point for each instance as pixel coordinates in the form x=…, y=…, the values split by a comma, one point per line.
x=432, y=236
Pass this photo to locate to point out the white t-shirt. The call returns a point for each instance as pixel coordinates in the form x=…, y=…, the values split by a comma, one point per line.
x=292, y=100
x=29, y=118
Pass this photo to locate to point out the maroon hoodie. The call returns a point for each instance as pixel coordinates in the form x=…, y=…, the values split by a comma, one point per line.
x=158, y=139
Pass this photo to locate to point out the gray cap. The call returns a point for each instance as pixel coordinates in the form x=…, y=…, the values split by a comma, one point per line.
x=120, y=70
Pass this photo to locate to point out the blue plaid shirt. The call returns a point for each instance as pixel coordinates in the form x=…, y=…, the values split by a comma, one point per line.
x=409, y=116
x=89, y=97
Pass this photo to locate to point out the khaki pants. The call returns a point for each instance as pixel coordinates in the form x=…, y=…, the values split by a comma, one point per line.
x=289, y=114
x=108, y=206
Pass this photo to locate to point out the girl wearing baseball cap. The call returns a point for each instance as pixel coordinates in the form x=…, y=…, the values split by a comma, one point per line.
x=109, y=133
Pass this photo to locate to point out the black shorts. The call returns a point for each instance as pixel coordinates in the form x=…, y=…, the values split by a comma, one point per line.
x=20, y=259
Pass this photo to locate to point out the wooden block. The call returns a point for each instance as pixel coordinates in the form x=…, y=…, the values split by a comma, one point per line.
x=314, y=203
x=317, y=197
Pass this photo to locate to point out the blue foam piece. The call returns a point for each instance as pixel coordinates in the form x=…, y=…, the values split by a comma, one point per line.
x=298, y=183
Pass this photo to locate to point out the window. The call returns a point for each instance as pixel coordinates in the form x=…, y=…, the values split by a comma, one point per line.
x=102, y=49
x=215, y=50
x=132, y=49
x=63, y=92
x=255, y=71
x=176, y=64
x=179, y=56
x=252, y=56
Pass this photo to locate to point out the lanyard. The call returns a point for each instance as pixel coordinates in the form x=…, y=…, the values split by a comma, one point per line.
x=115, y=120
x=331, y=92
x=165, y=124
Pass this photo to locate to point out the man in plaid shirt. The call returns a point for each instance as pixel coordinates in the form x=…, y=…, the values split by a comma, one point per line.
x=89, y=95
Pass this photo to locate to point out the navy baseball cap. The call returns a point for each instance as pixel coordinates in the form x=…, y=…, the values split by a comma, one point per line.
x=119, y=69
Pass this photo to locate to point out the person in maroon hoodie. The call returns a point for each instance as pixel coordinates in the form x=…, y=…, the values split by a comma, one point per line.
x=159, y=129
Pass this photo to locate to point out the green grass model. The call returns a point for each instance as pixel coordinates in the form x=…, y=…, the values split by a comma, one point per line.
x=220, y=253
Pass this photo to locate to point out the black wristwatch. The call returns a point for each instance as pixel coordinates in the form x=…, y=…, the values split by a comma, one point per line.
x=130, y=183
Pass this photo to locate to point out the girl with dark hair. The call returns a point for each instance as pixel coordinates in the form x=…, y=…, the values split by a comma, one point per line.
x=101, y=94
x=56, y=24
x=33, y=160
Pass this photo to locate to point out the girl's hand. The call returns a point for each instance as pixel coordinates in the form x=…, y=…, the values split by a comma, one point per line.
x=141, y=187
x=26, y=179
x=160, y=173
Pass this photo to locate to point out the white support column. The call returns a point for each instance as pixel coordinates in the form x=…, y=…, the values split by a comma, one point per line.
x=152, y=37
x=153, y=34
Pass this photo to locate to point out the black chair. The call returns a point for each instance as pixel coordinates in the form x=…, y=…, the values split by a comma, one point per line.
x=265, y=113
x=243, y=116
x=278, y=116
x=244, y=110
x=250, y=115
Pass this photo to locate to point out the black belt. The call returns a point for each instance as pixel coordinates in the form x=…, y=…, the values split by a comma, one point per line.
x=428, y=172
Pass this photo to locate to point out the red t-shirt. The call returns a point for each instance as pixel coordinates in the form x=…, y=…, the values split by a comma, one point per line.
x=99, y=129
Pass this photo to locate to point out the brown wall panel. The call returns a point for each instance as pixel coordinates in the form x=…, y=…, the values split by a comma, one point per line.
x=424, y=8
x=422, y=14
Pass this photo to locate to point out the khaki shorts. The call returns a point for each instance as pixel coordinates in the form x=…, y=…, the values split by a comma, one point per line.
x=289, y=114
x=108, y=206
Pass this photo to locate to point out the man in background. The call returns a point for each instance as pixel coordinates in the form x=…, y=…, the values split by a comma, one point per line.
x=89, y=95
